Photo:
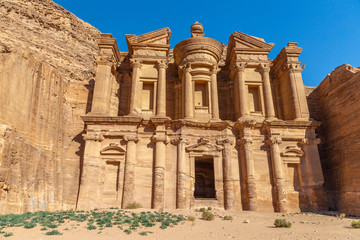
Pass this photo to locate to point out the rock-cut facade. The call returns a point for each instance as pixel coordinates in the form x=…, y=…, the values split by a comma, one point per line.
x=202, y=124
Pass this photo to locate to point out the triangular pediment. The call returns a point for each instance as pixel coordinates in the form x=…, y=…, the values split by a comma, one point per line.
x=161, y=36
x=112, y=149
x=243, y=41
x=203, y=145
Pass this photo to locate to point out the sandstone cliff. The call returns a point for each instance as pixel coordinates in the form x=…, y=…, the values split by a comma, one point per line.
x=47, y=63
x=336, y=102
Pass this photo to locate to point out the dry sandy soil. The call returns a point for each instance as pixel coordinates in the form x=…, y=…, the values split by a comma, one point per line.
x=259, y=226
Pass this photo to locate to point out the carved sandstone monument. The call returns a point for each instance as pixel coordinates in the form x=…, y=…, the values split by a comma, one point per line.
x=202, y=124
x=83, y=125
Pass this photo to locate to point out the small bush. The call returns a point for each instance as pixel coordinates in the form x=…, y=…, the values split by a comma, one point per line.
x=8, y=234
x=53, y=232
x=342, y=215
x=202, y=209
x=282, y=223
x=208, y=216
x=127, y=231
x=228, y=218
x=209, y=208
x=29, y=225
x=191, y=218
x=355, y=224
x=133, y=205
x=91, y=227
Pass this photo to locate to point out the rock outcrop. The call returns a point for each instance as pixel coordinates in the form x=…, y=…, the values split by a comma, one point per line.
x=47, y=63
x=336, y=102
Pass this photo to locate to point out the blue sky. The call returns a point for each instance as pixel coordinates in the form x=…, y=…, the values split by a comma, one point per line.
x=327, y=30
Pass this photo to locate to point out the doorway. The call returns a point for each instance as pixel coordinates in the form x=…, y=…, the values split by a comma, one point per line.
x=204, y=178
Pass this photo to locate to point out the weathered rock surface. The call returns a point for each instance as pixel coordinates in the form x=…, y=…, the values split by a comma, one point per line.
x=336, y=102
x=47, y=62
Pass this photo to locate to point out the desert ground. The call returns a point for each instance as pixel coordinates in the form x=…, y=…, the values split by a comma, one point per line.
x=245, y=225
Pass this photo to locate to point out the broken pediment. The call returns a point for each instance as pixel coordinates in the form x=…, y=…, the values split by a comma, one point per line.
x=292, y=152
x=203, y=145
x=158, y=40
x=243, y=41
x=112, y=149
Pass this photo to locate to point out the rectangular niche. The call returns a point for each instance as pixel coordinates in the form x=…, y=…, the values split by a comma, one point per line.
x=201, y=94
x=147, y=96
x=294, y=177
x=112, y=179
x=254, y=99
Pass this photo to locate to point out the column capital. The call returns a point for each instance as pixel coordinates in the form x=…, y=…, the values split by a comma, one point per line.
x=131, y=137
x=135, y=63
x=215, y=69
x=274, y=140
x=240, y=66
x=161, y=64
x=309, y=141
x=265, y=67
x=245, y=140
x=180, y=139
x=93, y=136
x=293, y=67
x=160, y=138
x=226, y=141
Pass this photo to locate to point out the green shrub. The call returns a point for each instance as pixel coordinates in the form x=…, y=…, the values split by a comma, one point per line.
x=208, y=216
x=8, y=234
x=127, y=231
x=282, y=223
x=202, y=209
x=29, y=225
x=191, y=218
x=209, y=208
x=53, y=232
x=133, y=205
x=228, y=218
x=355, y=224
x=91, y=227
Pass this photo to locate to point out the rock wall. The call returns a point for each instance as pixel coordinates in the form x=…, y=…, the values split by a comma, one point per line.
x=336, y=102
x=47, y=65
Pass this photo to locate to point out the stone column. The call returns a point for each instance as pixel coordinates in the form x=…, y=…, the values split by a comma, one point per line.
x=279, y=173
x=181, y=172
x=102, y=89
x=295, y=94
x=159, y=168
x=129, y=175
x=135, y=99
x=214, y=93
x=161, y=89
x=269, y=103
x=241, y=90
x=250, y=173
x=189, y=92
x=229, y=195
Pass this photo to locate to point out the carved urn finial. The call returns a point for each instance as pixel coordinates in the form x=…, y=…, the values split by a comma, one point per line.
x=197, y=30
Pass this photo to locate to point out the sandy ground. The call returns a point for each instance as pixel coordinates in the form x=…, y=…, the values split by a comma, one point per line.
x=259, y=226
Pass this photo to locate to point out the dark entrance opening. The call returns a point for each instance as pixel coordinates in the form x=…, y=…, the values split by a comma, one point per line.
x=204, y=178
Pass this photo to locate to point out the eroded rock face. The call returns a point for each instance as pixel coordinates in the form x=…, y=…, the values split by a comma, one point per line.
x=338, y=107
x=47, y=63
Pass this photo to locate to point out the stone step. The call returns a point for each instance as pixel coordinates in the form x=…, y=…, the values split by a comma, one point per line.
x=206, y=202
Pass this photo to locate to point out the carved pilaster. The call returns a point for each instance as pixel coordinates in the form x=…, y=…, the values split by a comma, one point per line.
x=241, y=90
x=129, y=175
x=182, y=176
x=135, y=104
x=229, y=195
x=279, y=174
x=161, y=89
x=159, y=169
x=214, y=93
x=269, y=104
x=246, y=143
